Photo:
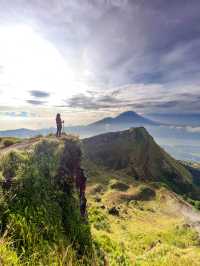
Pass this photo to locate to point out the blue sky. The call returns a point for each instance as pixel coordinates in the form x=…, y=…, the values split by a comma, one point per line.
x=96, y=59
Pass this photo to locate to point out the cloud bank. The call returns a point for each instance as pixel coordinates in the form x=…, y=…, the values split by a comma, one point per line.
x=126, y=54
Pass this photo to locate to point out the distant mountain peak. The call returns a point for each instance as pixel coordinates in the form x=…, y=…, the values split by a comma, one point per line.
x=129, y=117
x=128, y=113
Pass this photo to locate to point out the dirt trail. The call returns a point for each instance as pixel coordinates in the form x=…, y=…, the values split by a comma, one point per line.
x=25, y=144
x=19, y=146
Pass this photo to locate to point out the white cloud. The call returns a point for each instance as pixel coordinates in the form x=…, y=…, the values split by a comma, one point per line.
x=193, y=129
x=32, y=63
x=145, y=51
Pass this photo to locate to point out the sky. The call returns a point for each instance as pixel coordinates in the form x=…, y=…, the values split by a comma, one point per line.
x=95, y=58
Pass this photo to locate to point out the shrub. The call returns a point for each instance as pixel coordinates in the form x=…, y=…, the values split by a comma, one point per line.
x=117, y=185
x=99, y=219
x=11, y=162
x=8, y=142
x=195, y=203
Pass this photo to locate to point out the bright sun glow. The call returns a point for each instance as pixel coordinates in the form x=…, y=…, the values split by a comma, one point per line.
x=29, y=62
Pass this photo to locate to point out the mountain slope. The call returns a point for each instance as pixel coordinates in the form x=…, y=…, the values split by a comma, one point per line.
x=20, y=133
x=129, y=117
x=135, y=152
x=133, y=222
x=126, y=119
x=154, y=232
x=26, y=133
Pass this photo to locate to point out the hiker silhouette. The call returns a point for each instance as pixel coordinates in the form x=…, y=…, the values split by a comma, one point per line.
x=59, y=123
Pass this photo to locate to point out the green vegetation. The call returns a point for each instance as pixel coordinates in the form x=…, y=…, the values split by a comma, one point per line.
x=146, y=232
x=134, y=216
x=195, y=203
x=147, y=229
x=11, y=162
x=117, y=185
x=39, y=214
x=6, y=142
x=135, y=153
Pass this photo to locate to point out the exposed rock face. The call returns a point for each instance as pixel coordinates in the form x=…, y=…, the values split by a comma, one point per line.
x=69, y=162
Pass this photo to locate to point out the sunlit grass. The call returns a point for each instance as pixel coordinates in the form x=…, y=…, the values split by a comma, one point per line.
x=147, y=231
x=144, y=234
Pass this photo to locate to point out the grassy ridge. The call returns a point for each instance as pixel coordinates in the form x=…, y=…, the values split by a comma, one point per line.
x=133, y=218
x=39, y=214
x=136, y=153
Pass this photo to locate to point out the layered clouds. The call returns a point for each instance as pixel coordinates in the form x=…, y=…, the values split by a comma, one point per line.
x=100, y=57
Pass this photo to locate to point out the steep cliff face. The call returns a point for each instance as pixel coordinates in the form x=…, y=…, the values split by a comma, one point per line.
x=39, y=210
x=135, y=151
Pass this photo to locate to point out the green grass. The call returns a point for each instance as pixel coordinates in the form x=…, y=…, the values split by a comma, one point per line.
x=41, y=224
x=38, y=216
x=8, y=141
x=135, y=153
x=144, y=233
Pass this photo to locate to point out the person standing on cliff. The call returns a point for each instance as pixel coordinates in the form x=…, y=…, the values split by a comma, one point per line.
x=59, y=125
